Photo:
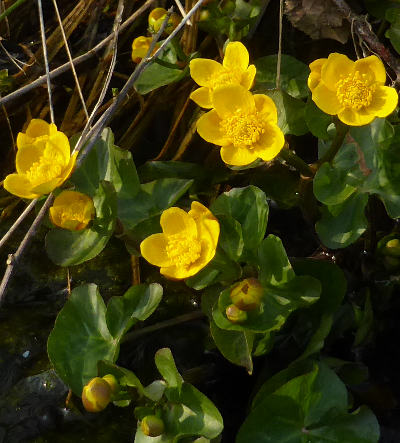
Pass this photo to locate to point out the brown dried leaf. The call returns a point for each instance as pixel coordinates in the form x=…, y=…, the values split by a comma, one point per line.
x=318, y=19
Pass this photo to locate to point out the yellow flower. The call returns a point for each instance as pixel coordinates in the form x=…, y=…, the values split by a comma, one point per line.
x=354, y=91
x=209, y=74
x=157, y=17
x=140, y=46
x=244, y=125
x=187, y=243
x=72, y=210
x=43, y=161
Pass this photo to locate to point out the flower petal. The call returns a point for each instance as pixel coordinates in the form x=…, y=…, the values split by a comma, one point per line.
x=68, y=169
x=355, y=118
x=154, y=250
x=47, y=187
x=208, y=127
x=236, y=57
x=202, y=97
x=373, y=68
x=202, y=71
x=23, y=140
x=248, y=76
x=38, y=127
x=270, y=143
x=230, y=98
x=266, y=107
x=61, y=143
x=326, y=100
x=237, y=156
x=384, y=101
x=207, y=224
x=20, y=186
x=27, y=155
x=177, y=221
x=315, y=76
x=336, y=67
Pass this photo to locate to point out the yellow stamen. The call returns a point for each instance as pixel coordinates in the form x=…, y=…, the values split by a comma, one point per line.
x=354, y=92
x=183, y=250
x=242, y=129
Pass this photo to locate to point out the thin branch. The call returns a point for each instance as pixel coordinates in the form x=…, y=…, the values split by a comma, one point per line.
x=279, y=58
x=17, y=222
x=117, y=22
x=14, y=258
x=78, y=86
x=9, y=10
x=46, y=61
x=77, y=60
x=182, y=11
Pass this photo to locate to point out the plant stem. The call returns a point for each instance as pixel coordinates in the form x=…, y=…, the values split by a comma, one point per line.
x=341, y=131
x=9, y=10
x=195, y=315
x=294, y=160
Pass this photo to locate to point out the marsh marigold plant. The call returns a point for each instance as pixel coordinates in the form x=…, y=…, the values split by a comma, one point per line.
x=157, y=17
x=209, y=74
x=244, y=125
x=140, y=46
x=43, y=161
x=186, y=245
x=354, y=91
x=72, y=210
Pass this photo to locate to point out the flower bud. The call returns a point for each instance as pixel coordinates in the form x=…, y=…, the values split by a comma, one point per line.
x=152, y=426
x=246, y=295
x=392, y=248
x=140, y=46
x=204, y=15
x=113, y=383
x=235, y=315
x=157, y=17
x=96, y=395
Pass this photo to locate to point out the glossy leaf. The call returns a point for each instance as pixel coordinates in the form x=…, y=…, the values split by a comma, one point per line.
x=166, y=366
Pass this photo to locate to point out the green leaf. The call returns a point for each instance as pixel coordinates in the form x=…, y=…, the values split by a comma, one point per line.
x=392, y=15
x=249, y=207
x=6, y=82
x=293, y=79
x=317, y=121
x=290, y=112
x=166, y=366
x=230, y=237
x=321, y=314
x=152, y=198
x=342, y=224
x=80, y=338
x=378, y=8
x=66, y=248
x=138, y=303
x=309, y=408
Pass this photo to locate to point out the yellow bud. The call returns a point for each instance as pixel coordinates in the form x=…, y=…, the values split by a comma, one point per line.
x=157, y=17
x=204, y=15
x=113, y=383
x=140, y=46
x=152, y=426
x=96, y=395
x=392, y=248
x=246, y=295
x=235, y=315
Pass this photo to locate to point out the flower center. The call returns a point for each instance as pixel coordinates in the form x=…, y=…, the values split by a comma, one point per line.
x=49, y=166
x=225, y=78
x=183, y=250
x=354, y=92
x=242, y=129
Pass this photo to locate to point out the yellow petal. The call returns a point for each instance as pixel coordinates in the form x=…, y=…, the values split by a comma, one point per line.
x=37, y=128
x=208, y=127
x=237, y=156
x=236, y=57
x=384, y=101
x=199, y=211
x=202, y=71
x=372, y=68
x=355, y=118
x=47, y=187
x=20, y=186
x=202, y=97
x=270, y=143
x=23, y=140
x=315, y=76
x=266, y=107
x=326, y=100
x=60, y=140
x=177, y=221
x=248, y=76
x=336, y=67
x=154, y=250
x=207, y=223
x=69, y=168
x=230, y=98
x=26, y=156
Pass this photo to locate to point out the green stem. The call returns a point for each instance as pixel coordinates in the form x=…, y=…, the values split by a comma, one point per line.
x=163, y=324
x=341, y=131
x=294, y=160
x=9, y=10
